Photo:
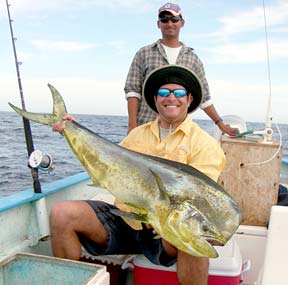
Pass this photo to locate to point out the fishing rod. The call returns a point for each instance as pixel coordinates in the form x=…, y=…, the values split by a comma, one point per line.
x=267, y=133
x=268, y=121
x=26, y=123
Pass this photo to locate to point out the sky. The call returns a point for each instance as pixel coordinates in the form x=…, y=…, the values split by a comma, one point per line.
x=84, y=49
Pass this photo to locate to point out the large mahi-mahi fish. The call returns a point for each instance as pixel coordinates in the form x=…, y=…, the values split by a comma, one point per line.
x=184, y=206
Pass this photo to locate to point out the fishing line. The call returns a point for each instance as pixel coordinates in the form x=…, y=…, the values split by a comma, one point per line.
x=26, y=123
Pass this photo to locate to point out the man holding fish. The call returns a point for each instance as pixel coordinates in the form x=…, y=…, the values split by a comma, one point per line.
x=173, y=92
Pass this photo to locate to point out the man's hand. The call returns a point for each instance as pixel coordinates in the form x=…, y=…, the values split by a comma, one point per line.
x=232, y=132
x=60, y=126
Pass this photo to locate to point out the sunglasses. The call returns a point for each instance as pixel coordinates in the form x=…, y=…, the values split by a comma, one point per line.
x=165, y=92
x=174, y=19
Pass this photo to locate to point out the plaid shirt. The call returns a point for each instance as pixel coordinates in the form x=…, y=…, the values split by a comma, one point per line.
x=151, y=57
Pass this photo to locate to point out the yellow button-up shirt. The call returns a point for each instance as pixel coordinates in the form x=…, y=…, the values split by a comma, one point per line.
x=188, y=144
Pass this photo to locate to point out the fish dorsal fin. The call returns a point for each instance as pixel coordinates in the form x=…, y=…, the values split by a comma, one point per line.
x=187, y=169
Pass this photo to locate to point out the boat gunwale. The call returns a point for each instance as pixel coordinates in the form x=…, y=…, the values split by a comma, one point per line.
x=29, y=195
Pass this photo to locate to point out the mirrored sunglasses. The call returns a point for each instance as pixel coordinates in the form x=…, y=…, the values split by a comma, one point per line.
x=174, y=19
x=165, y=92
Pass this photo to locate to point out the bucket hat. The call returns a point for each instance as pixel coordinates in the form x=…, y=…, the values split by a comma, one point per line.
x=172, y=74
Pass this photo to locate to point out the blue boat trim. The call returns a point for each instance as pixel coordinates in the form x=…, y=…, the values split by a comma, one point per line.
x=28, y=195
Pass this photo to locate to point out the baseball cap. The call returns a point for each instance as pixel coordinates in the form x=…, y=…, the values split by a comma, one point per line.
x=172, y=8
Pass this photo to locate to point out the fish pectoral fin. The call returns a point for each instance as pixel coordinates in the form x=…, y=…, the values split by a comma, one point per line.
x=135, y=225
x=163, y=193
x=130, y=215
x=132, y=219
x=130, y=207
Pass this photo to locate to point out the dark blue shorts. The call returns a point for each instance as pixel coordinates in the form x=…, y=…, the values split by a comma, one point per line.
x=122, y=239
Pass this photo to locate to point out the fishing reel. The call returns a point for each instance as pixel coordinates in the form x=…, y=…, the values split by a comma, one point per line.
x=267, y=134
x=41, y=161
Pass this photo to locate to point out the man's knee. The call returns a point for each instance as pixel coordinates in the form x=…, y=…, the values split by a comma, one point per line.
x=60, y=213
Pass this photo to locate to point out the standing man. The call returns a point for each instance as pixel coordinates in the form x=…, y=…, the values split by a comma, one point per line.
x=168, y=50
x=172, y=92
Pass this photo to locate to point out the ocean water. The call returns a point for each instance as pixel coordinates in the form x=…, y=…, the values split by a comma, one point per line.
x=14, y=172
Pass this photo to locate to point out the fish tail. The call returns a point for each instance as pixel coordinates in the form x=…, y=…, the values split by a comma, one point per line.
x=59, y=110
